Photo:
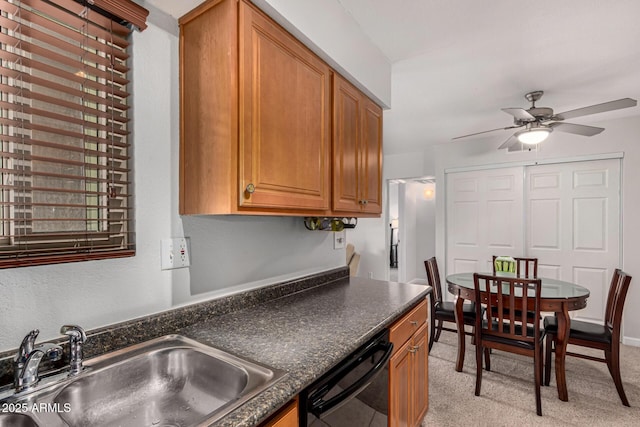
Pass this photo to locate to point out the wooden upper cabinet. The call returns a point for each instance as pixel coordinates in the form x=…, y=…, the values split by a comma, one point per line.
x=285, y=131
x=357, y=151
x=372, y=156
x=256, y=123
x=209, y=109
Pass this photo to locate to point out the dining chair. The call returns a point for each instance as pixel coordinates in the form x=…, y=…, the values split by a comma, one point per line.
x=444, y=311
x=527, y=267
x=605, y=336
x=503, y=329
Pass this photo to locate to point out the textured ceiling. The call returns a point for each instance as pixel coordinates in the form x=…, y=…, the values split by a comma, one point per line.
x=457, y=62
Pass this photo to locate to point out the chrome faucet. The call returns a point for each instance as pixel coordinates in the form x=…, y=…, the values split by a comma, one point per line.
x=77, y=337
x=27, y=361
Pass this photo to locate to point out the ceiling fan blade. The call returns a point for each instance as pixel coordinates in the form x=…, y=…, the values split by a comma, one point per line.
x=519, y=114
x=577, y=129
x=519, y=146
x=598, y=108
x=486, y=131
x=509, y=142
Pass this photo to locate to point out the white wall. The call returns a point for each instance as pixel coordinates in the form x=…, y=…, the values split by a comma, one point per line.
x=408, y=233
x=371, y=236
x=621, y=135
x=417, y=230
x=425, y=229
x=233, y=253
x=392, y=201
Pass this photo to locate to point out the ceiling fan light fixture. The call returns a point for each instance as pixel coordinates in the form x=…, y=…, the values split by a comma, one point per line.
x=533, y=135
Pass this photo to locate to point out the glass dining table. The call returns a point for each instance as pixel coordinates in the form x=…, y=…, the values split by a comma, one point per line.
x=557, y=296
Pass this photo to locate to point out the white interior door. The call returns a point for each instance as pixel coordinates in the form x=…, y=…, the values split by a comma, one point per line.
x=484, y=217
x=573, y=225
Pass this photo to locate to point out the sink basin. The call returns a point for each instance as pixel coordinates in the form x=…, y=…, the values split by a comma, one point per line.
x=169, y=381
x=16, y=420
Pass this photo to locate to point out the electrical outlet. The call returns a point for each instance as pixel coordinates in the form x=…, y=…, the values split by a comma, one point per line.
x=338, y=239
x=174, y=253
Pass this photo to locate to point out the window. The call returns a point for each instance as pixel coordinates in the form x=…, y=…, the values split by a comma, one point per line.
x=65, y=193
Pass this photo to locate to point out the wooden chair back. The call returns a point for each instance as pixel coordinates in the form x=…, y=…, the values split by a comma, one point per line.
x=508, y=327
x=506, y=298
x=433, y=277
x=525, y=267
x=615, y=301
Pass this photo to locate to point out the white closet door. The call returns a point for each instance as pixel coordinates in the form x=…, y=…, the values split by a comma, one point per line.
x=484, y=218
x=573, y=225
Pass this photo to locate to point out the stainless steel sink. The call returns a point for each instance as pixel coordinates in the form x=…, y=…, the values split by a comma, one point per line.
x=16, y=420
x=169, y=381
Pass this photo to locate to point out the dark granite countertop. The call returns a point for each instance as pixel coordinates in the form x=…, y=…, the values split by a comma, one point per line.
x=304, y=334
x=303, y=326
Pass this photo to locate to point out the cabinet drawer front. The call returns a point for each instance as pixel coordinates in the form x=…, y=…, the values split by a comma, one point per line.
x=402, y=330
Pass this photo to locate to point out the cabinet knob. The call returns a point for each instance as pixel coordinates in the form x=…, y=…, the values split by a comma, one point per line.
x=250, y=188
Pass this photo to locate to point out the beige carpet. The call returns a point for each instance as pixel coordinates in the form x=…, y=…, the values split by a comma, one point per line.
x=507, y=397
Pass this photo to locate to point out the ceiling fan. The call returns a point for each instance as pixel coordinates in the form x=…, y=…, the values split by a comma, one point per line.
x=538, y=122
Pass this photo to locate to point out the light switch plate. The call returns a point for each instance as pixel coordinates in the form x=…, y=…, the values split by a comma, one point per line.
x=338, y=239
x=174, y=253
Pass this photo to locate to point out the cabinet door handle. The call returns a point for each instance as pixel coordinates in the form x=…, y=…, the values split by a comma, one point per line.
x=250, y=188
x=412, y=349
x=413, y=322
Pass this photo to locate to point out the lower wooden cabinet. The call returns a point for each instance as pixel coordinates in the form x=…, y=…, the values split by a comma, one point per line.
x=408, y=374
x=408, y=369
x=285, y=417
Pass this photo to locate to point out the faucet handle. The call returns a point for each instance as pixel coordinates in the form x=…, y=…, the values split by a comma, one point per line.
x=75, y=332
x=26, y=347
x=77, y=337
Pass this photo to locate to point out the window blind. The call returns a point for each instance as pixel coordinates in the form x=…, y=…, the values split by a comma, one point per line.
x=66, y=186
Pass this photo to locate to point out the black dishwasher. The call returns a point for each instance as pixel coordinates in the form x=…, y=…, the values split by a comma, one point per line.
x=359, y=374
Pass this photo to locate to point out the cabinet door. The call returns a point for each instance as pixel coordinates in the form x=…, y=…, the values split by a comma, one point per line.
x=286, y=417
x=357, y=150
x=400, y=387
x=284, y=141
x=346, y=149
x=420, y=375
x=484, y=217
x=371, y=152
